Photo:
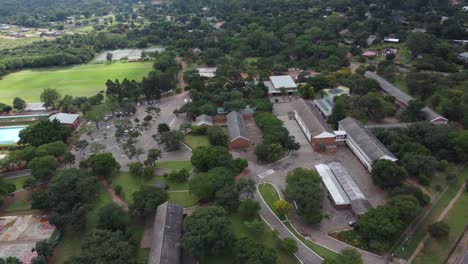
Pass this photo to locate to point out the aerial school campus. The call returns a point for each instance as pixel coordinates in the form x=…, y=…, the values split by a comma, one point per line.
x=133, y=133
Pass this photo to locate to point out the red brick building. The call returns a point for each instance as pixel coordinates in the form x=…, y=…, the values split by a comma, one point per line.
x=238, y=137
x=67, y=120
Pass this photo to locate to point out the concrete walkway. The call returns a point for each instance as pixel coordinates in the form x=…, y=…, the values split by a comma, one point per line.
x=304, y=254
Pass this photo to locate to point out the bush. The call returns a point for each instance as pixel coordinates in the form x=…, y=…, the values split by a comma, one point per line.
x=199, y=130
x=255, y=227
x=248, y=209
x=178, y=176
x=439, y=229
x=290, y=245
x=118, y=189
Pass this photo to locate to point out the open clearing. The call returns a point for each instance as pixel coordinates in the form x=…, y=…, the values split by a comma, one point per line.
x=79, y=80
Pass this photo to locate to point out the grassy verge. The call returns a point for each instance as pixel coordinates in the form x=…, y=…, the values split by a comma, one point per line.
x=185, y=198
x=175, y=165
x=195, y=141
x=433, y=215
x=270, y=195
x=18, y=182
x=435, y=251
x=268, y=238
x=21, y=203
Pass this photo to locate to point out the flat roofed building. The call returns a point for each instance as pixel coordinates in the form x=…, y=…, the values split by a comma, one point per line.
x=238, y=136
x=316, y=133
x=167, y=233
x=68, y=120
x=404, y=99
x=204, y=120
x=363, y=143
x=208, y=72
x=334, y=189
x=275, y=84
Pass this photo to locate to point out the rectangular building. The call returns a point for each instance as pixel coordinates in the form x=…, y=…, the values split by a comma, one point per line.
x=363, y=143
x=238, y=136
x=276, y=84
x=68, y=120
x=334, y=189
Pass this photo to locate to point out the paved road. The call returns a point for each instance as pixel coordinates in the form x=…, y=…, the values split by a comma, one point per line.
x=303, y=253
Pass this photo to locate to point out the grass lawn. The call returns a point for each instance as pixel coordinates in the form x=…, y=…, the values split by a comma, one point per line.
x=185, y=199
x=267, y=238
x=8, y=43
x=18, y=182
x=195, y=141
x=435, y=251
x=21, y=203
x=78, y=80
x=270, y=195
x=175, y=165
x=433, y=215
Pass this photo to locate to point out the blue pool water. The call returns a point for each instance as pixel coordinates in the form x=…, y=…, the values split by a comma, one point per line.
x=9, y=135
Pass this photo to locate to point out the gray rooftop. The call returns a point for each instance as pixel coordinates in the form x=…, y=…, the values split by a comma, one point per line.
x=64, y=118
x=463, y=54
x=325, y=105
x=236, y=126
x=167, y=233
x=309, y=117
x=402, y=97
x=333, y=186
x=371, y=146
x=204, y=119
x=283, y=81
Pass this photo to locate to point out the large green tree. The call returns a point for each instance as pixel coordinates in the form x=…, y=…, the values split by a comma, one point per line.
x=249, y=251
x=43, y=132
x=147, y=200
x=113, y=217
x=103, y=164
x=50, y=97
x=205, y=185
x=387, y=174
x=207, y=232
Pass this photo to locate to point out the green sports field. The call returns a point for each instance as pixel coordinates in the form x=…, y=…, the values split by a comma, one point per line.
x=79, y=80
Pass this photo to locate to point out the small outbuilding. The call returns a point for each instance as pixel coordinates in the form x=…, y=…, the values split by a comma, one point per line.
x=369, y=54
x=238, y=136
x=67, y=120
x=204, y=120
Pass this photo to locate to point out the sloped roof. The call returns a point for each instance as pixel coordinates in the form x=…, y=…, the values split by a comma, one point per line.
x=334, y=188
x=236, y=126
x=204, y=119
x=283, y=81
x=371, y=146
x=167, y=233
x=308, y=117
x=64, y=118
x=402, y=97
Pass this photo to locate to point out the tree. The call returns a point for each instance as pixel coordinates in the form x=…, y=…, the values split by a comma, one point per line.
x=56, y=149
x=207, y=232
x=43, y=132
x=282, y=207
x=304, y=188
x=136, y=169
x=152, y=157
x=10, y=260
x=50, y=97
x=171, y=140
x=228, y=197
x=255, y=226
x=44, y=248
x=19, y=104
x=42, y=168
x=109, y=56
x=459, y=141
x=208, y=157
x=5, y=189
x=439, y=229
x=113, y=217
x=380, y=224
x=246, y=187
x=147, y=200
x=39, y=260
x=413, y=112
x=97, y=114
x=290, y=245
x=248, y=209
x=419, y=43
x=103, y=164
x=178, y=176
x=69, y=158
x=249, y=251
x=104, y=246
x=217, y=137
x=387, y=174
x=205, y=185
x=163, y=127
x=407, y=205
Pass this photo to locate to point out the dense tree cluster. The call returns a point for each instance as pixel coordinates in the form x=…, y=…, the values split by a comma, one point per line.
x=304, y=188
x=44, y=132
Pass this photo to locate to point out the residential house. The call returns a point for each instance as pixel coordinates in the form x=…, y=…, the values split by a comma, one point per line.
x=204, y=120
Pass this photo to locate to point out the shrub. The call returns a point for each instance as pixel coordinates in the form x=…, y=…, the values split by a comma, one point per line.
x=439, y=229
x=248, y=208
x=199, y=130
x=118, y=189
x=290, y=245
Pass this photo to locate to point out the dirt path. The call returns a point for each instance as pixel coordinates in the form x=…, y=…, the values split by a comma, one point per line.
x=117, y=199
x=180, y=77
x=442, y=215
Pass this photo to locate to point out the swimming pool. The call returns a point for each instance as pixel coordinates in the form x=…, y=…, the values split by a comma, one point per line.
x=9, y=135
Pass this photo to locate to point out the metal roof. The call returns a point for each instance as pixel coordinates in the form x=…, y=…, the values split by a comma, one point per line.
x=331, y=183
x=236, y=126
x=372, y=147
x=204, y=119
x=283, y=81
x=325, y=106
x=167, y=233
x=309, y=117
x=64, y=118
x=402, y=97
